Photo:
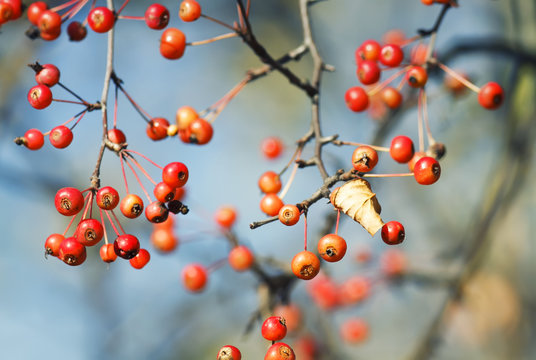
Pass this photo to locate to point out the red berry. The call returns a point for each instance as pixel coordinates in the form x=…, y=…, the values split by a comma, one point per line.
x=76, y=31
x=369, y=50
x=368, y=72
x=116, y=136
x=141, y=259
x=35, y=10
x=402, y=149
x=289, y=214
x=40, y=96
x=364, y=158
x=72, y=252
x=61, y=136
x=107, y=253
x=52, y=244
x=393, y=263
x=190, y=10
x=200, y=132
x=353, y=290
x=6, y=13
x=229, y=352
x=417, y=76
x=172, y=43
x=157, y=129
x=269, y=182
x=164, y=240
x=274, y=328
x=354, y=330
x=126, y=246
x=49, y=25
x=131, y=206
x=391, y=97
x=156, y=16
x=33, y=139
x=184, y=117
x=16, y=6
x=416, y=157
x=241, y=258
x=156, y=212
x=356, y=99
x=427, y=170
x=69, y=201
x=305, y=265
x=394, y=36
x=101, y=19
x=324, y=292
x=49, y=75
x=280, y=351
x=332, y=247
x=393, y=233
x=225, y=216
x=491, y=96
x=272, y=147
x=175, y=174
x=271, y=204
x=391, y=55
x=107, y=198
x=292, y=315
x=163, y=192
x=194, y=277
x=89, y=232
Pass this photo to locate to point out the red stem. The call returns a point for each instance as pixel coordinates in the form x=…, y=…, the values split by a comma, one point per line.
x=124, y=174
x=337, y=224
x=145, y=157
x=305, y=230
x=139, y=181
x=111, y=222
x=141, y=169
x=117, y=221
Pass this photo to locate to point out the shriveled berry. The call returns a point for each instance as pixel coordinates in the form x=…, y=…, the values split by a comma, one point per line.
x=76, y=31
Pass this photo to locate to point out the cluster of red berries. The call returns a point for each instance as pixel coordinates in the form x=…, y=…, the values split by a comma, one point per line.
x=10, y=10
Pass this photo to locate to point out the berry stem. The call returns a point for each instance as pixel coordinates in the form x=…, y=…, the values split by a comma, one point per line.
x=138, y=108
x=64, y=6
x=292, y=175
x=214, y=39
x=305, y=230
x=72, y=93
x=216, y=265
x=219, y=22
x=70, y=102
x=115, y=106
x=387, y=81
x=377, y=148
x=81, y=115
x=117, y=221
x=111, y=222
x=103, y=227
x=387, y=175
x=457, y=76
x=143, y=156
x=86, y=207
x=72, y=12
x=337, y=223
x=431, y=139
x=69, y=225
x=138, y=179
x=124, y=174
x=122, y=7
x=141, y=168
x=420, y=120
x=128, y=17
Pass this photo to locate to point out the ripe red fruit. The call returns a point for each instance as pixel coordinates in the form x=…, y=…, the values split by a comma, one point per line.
x=427, y=170
x=356, y=99
x=33, y=139
x=61, y=136
x=417, y=76
x=364, y=158
x=156, y=212
x=391, y=55
x=491, y=96
x=225, y=216
x=35, y=10
x=280, y=351
x=184, y=117
x=369, y=50
x=354, y=330
x=241, y=258
x=52, y=244
x=107, y=253
x=16, y=6
x=131, y=206
x=116, y=136
x=89, y=232
x=107, y=198
x=157, y=129
x=393, y=263
x=156, y=16
x=402, y=149
x=229, y=352
x=393, y=233
x=416, y=157
x=289, y=214
x=391, y=97
x=200, y=132
x=175, y=174
x=126, y=246
x=172, y=43
x=274, y=328
x=76, y=31
x=163, y=192
x=292, y=315
x=40, y=96
x=269, y=182
x=305, y=265
x=101, y=19
x=141, y=259
x=164, y=240
x=72, y=252
x=272, y=147
x=190, y=10
x=49, y=24
x=368, y=72
x=394, y=36
x=194, y=277
x=49, y=75
x=324, y=292
x=6, y=12
x=69, y=201
x=353, y=290
x=332, y=247
x=271, y=204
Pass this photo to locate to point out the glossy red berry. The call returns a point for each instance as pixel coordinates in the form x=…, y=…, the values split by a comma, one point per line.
x=364, y=158
x=272, y=147
x=156, y=212
x=271, y=204
x=241, y=258
x=356, y=99
x=72, y=252
x=126, y=246
x=163, y=192
x=89, y=232
x=172, y=43
x=175, y=174
x=33, y=139
x=157, y=16
x=416, y=157
x=107, y=253
x=354, y=330
x=194, y=277
x=369, y=50
x=391, y=55
x=200, y=132
x=280, y=351
x=16, y=6
x=49, y=75
x=107, y=198
x=116, y=136
x=427, y=170
x=269, y=182
x=157, y=129
x=229, y=352
x=393, y=233
x=402, y=149
x=131, y=206
x=368, y=72
x=49, y=25
x=332, y=247
x=6, y=13
x=391, y=97
x=76, y=31
x=190, y=10
x=61, y=136
x=101, y=19
x=141, y=259
x=40, y=96
x=69, y=201
x=491, y=96
x=289, y=214
x=52, y=244
x=417, y=76
x=274, y=328
x=305, y=265
x=35, y=10
x=225, y=216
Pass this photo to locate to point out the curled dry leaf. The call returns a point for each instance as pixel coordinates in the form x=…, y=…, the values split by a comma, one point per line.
x=356, y=199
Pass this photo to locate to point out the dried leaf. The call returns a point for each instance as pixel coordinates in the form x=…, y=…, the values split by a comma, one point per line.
x=356, y=199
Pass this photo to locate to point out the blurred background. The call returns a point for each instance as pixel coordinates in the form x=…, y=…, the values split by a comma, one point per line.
x=469, y=290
